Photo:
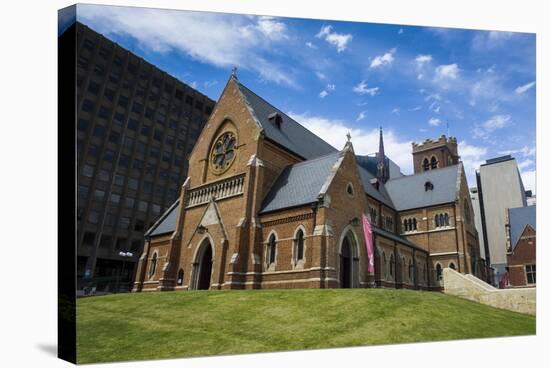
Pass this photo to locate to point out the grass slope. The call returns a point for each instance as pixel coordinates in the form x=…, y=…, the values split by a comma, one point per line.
x=183, y=324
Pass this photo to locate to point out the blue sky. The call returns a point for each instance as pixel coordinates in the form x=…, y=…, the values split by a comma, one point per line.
x=335, y=77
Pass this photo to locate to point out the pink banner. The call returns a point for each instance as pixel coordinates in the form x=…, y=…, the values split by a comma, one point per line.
x=367, y=230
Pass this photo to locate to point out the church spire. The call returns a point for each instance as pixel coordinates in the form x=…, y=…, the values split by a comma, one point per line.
x=382, y=170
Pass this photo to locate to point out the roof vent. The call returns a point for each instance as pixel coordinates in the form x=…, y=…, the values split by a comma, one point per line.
x=428, y=186
x=276, y=119
x=375, y=183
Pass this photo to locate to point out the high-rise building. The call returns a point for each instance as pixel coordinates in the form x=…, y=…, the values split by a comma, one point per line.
x=136, y=126
x=499, y=188
x=474, y=196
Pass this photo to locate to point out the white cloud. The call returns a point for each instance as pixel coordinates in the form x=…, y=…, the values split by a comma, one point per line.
x=362, y=115
x=529, y=178
x=193, y=84
x=321, y=75
x=339, y=40
x=208, y=84
x=421, y=59
x=365, y=141
x=395, y=111
x=434, y=122
x=324, y=93
x=495, y=122
x=400, y=31
x=228, y=40
x=524, y=151
x=524, y=164
x=382, y=60
x=472, y=157
x=271, y=28
x=484, y=40
x=311, y=45
x=362, y=88
x=522, y=89
x=416, y=108
x=449, y=71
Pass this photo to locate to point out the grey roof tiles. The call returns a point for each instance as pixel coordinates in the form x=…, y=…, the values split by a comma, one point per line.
x=519, y=218
x=408, y=192
x=299, y=184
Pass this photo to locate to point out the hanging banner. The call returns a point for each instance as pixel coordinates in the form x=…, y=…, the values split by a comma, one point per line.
x=367, y=230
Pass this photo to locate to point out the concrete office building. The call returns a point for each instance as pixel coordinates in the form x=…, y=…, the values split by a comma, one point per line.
x=474, y=195
x=136, y=126
x=499, y=188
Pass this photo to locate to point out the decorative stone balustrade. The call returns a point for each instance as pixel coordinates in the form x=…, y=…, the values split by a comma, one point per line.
x=221, y=189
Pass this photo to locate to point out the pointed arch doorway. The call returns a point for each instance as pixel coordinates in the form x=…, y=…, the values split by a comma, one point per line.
x=203, y=266
x=349, y=261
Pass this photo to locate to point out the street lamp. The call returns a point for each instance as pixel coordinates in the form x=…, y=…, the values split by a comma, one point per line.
x=124, y=255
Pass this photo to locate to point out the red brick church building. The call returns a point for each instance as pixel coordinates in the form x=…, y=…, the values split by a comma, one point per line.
x=268, y=204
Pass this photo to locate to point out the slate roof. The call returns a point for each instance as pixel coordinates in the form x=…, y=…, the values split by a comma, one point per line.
x=380, y=194
x=291, y=134
x=166, y=223
x=408, y=192
x=299, y=184
x=519, y=218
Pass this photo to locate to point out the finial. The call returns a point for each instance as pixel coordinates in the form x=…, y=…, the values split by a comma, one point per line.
x=348, y=136
x=234, y=72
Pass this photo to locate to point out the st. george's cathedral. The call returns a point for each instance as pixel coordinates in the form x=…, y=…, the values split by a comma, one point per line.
x=268, y=204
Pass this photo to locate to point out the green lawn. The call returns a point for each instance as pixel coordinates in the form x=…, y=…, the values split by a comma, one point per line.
x=184, y=324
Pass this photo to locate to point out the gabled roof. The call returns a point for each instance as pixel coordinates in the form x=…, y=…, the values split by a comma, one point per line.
x=380, y=194
x=291, y=135
x=408, y=192
x=166, y=223
x=300, y=184
x=518, y=219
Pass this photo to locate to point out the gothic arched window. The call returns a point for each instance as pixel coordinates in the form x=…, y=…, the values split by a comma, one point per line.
x=271, y=249
x=414, y=223
x=153, y=267
x=426, y=165
x=433, y=163
x=438, y=272
x=299, y=246
x=180, y=277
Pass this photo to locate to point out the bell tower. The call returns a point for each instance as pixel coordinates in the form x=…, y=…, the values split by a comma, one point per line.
x=435, y=154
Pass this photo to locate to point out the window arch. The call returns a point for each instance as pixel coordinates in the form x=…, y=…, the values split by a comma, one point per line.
x=153, y=267
x=452, y=265
x=180, y=277
x=299, y=246
x=433, y=163
x=411, y=270
x=349, y=189
x=441, y=219
x=405, y=225
x=391, y=266
x=438, y=272
x=426, y=165
x=271, y=250
x=385, y=269
x=414, y=223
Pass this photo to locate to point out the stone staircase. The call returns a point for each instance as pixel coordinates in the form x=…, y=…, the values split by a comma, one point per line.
x=470, y=287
